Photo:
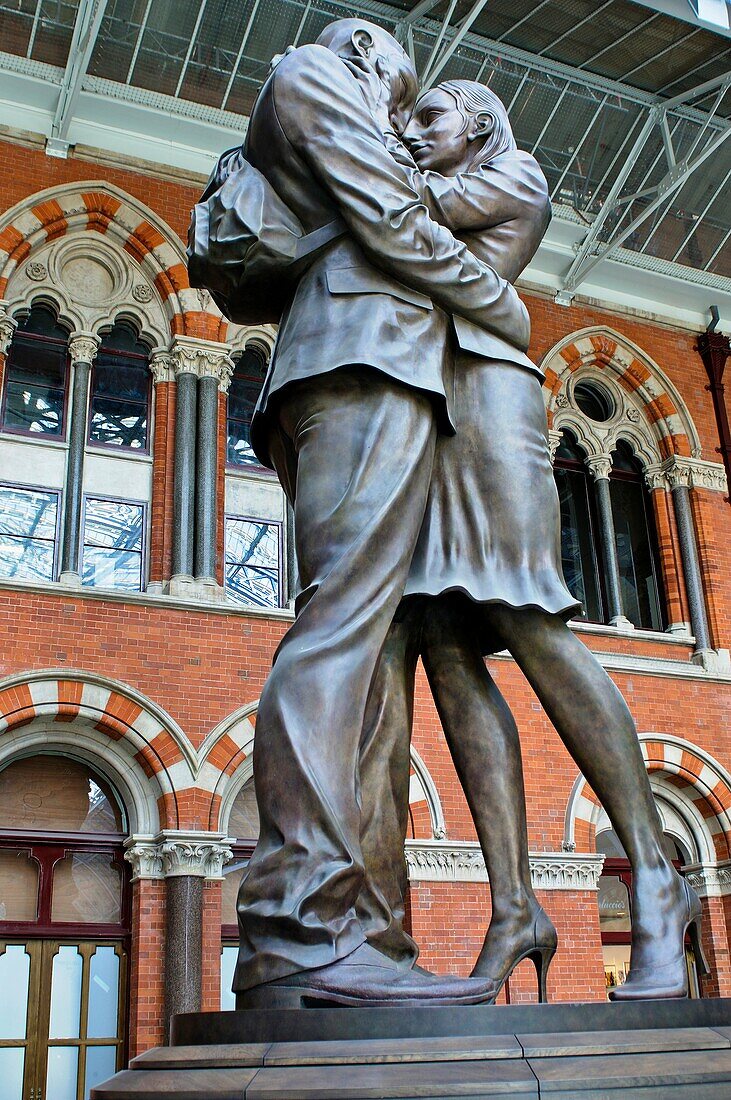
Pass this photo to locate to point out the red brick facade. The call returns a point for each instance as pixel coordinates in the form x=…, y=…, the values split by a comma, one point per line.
x=174, y=671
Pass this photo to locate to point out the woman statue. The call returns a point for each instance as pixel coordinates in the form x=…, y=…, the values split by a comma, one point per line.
x=486, y=576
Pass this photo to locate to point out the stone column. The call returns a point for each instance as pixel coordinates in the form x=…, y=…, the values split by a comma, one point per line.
x=202, y=368
x=186, y=402
x=292, y=573
x=185, y=860
x=679, y=476
x=600, y=466
x=82, y=352
x=671, y=564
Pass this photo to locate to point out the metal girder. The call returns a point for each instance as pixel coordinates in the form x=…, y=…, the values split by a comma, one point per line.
x=86, y=29
x=593, y=250
x=438, y=60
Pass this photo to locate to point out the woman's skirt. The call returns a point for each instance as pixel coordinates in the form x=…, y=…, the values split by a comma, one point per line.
x=492, y=526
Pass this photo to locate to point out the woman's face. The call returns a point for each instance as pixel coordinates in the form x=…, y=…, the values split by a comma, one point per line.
x=437, y=136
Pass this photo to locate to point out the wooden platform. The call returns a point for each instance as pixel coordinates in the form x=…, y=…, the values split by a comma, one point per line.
x=648, y=1062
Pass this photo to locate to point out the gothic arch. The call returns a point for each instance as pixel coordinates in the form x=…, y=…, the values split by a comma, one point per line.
x=648, y=409
x=133, y=741
x=78, y=214
x=681, y=774
x=227, y=763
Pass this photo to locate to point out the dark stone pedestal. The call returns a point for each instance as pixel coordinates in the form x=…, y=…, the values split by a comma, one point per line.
x=651, y=1050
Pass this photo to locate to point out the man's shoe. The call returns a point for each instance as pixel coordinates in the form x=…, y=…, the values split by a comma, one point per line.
x=366, y=978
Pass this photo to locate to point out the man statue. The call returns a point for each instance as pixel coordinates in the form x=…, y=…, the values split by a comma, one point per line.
x=357, y=391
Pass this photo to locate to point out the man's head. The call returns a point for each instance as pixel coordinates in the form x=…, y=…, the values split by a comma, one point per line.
x=374, y=51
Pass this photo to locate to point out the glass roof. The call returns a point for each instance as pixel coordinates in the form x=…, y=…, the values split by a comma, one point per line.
x=575, y=75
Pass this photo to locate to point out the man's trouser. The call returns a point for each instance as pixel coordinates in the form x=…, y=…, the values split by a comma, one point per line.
x=354, y=452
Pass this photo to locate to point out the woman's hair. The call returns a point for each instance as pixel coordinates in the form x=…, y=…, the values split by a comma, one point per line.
x=476, y=99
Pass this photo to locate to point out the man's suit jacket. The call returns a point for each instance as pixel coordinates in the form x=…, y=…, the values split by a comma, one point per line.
x=313, y=137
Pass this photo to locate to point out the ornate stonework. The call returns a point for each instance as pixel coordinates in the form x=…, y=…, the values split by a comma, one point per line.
x=462, y=861
x=83, y=347
x=710, y=879
x=600, y=466
x=8, y=326
x=36, y=271
x=162, y=367
x=172, y=853
x=690, y=473
x=204, y=358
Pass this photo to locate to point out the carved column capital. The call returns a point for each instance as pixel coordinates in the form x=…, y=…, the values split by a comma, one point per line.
x=678, y=472
x=554, y=438
x=600, y=466
x=8, y=326
x=173, y=853
x=83, y=347
x=162, y=366
x=145, y=857
x=656, y=477
x=204, y=358
x=201, y=855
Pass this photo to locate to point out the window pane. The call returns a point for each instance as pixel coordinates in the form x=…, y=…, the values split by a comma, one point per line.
x=65, y=995
x=640, y=598
x=28, y=512
x=614, y=914
x=103, y=994
x=26, y=559
x=113, y=544
x=101, y=1064
x=12, y=1064
x=57, y=794
x=63, y=1071
x=112, y=569
x=243, y=824
x=87, y=889
x=229, y=955
x=118, y=423
x=578, y=554
x=36, y=377
x=14, y=976
x=253, y=562
x=243, y=394
x=18, y=886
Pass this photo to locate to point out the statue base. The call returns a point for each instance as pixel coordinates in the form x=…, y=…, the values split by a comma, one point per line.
x=648, y=1050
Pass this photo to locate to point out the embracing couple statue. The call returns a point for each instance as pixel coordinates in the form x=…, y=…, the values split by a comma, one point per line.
x=407, y=427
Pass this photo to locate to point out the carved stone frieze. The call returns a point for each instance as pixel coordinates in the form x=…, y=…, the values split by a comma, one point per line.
x=171, y=854
x=694, y=473
x=710, y=879
x=462, y=861
x=83, y=347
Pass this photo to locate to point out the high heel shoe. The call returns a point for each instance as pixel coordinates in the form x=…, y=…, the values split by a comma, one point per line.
x=536, y=941
x=669, y=979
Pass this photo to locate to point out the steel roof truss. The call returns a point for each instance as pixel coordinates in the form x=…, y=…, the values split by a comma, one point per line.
x=86, y=30
x=435, y=68
x=593, y=250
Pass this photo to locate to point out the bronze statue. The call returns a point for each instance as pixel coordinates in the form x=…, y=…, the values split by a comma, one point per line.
x=381, y=301
x=486, y=575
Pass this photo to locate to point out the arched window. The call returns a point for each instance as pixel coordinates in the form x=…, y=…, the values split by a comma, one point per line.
x=64, y=928
x=120, y=391
x=36, y=375
x=579, y=555
x=248, y=378
x=634, y=528
x=243, y=826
